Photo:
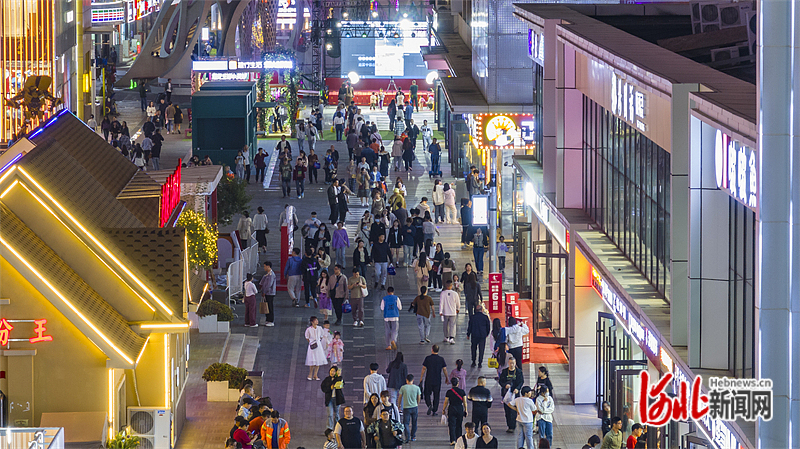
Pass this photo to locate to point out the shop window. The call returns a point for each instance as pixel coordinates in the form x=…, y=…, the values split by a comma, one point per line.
x=626, y=187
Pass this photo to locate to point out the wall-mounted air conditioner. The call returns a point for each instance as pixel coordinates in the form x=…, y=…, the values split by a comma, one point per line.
x=152, y=425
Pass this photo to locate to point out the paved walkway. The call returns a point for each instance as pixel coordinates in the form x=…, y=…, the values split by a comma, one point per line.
x=281, y=355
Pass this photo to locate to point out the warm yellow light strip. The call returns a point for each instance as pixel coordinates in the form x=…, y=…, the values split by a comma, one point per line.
x=66, y=301
x=36, y=197
x=142, y=351
x=165, y=326
x=166, y=372
x=97, y=242
x=8, y=172
x=186, y=266
x=111, y=403
x=5, y=192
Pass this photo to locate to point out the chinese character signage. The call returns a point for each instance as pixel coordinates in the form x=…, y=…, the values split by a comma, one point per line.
x=493, y=131
x=495, y=292
x=536, y=46
x=736, y=169
x=628, y=102
x=39, y=333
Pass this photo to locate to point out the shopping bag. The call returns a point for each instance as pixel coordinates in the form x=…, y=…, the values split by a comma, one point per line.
x=346, y=307
x=316, y=166
x=263, y=307
x=509, y=397
x=333, y=129
x=443, y=420
x=364, y=292
x=391, y=270
x=493, y=363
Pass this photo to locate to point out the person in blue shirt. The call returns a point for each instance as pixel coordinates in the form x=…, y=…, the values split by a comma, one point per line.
x=294, y=275
x=390, y=304
x=407, y=113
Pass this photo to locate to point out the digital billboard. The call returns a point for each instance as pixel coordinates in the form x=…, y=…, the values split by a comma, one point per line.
x=383, y=57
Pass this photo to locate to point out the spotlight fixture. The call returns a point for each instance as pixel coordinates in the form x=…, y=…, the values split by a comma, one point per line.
x=338, y=24
x=375, y=14
x=380, y=34
x=405, y=15
x=413, y=35
x=345, y=14
x=329, y=46
x=353, y=77
x=415, y=24
x=347, y=34
x=364, y=34
x=329, y=31
x=381, y=23
x=396, y=34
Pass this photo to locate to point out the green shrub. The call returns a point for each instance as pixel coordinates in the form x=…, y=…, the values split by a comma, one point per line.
x=210, y=307
x=123, y=440
x=232, y=198
x=220, y=372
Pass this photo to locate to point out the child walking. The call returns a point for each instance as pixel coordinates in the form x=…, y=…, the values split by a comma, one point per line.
x=336, y=349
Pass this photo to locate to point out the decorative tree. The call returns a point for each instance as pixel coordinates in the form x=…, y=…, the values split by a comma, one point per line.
x=202, y=239
x=290, y=78
x=232, y=198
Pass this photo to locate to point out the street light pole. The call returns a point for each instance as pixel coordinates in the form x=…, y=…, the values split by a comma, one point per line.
x=493, y=213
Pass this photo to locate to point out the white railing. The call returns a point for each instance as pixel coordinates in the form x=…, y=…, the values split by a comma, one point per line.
x=247, y=262
x=235, y=280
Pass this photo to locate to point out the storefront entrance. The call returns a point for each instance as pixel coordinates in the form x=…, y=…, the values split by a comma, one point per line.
x=522, y=260
x=618, y=366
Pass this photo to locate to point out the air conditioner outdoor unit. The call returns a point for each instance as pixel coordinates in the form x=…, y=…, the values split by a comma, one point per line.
x=716, y=16
x=723, y=54
x=752, y=31
x=152, y=425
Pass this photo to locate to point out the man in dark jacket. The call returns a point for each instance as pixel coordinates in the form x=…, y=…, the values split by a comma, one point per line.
x=333, y=200
x=481, y=399
x=413, y=133
x=369, y=155
x=381, y=258
x=148, y=128
x=477, y=330
x=511, y=379
x=310, y=273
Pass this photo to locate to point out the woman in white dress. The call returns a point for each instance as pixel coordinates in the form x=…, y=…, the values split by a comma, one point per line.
x=315, y=355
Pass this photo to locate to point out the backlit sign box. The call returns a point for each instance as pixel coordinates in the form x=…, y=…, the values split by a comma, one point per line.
x=536, y=46
x=628, y=102
x=480, y=210
x=736, y=169
x=170, y=195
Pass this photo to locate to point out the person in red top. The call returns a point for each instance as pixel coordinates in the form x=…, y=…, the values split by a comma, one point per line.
x=633, y=438
x=241, y=435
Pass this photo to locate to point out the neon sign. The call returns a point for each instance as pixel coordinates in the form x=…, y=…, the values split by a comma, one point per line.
x=170, y=195
x=6, y=327
x=736, y=169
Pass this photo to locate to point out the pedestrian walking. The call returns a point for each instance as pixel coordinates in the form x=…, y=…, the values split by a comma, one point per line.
x=450, y=212
x=349, y=430
x=469, y=280
x=501, y=251
x=315, y=354
x=386, y=432
x=544, y=413
x=260, y=226
x=470, y=439
x=268, y=286
x=408, y=154
x=460, y=373
x=374, y=384
x=311, y=271
x=323, y=238
x=438, y=201
x=337, y=290
x=466, y=222
x=361, y=257
x=323, y=300
x=340, y=243
x=397, y=371
x=515, y=332
x=250, y=291
x=178, y=118
x=333, y=200
x=479, y=249
x=169, y=115
x=449, y=305
x=300, y=133
x=455, y=407
x=543, y=379
x=422, y=268
x=293, y=272
x=408, y=245
x=245, y=229
x=143, y=94
x=423, y=306
x=357, y=286
x=511, y=379
x=381, y=258
x=391, y=306
x=481, y=399
x=477, y=331
x=334, y=397
x=311, y=133
x=409, y=399
x=432, y=369
x=286, y=171
x=168, y=90
x=275, y=432
x=486, y=440
x=525, y=409
x=313, y=166
x=299, y=176
x=435, y=275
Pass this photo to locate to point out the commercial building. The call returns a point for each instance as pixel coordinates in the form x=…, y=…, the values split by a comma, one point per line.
x=636, y=220
x=95, y=288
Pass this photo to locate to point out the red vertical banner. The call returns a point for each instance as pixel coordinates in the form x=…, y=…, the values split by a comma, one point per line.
x=512, y=305
x=526, y=316
x=495, y=292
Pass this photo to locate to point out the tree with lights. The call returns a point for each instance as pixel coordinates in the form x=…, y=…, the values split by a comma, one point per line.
x=201, y=239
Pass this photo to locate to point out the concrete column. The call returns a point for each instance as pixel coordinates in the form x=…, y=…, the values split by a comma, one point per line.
x=550, y=107
x=678, y=288
x=569, y=151
x=583, y=305
x=775, y=250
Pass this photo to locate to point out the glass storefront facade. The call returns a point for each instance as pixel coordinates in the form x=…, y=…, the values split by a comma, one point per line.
x=626, y=188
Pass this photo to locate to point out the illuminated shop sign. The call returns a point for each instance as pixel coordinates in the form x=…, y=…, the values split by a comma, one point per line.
x=628, y=102
x=736, y=169
x=224, y=65
x=140, y=8
x=494, y=131
x=224, y=76
x=536, y=46
x=170, y=195
x=103, y=13
x=38, y=333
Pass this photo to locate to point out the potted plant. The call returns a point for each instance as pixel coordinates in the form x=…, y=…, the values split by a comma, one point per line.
x=123, y=440
x=223, y=381
x=214, y=316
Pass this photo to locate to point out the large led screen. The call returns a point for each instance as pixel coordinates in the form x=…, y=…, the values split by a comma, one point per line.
x=383, y=57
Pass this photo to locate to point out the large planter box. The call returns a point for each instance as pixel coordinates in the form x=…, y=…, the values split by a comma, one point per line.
x=209, y=324
x=258, y=381
x=217, y=391
x=233, y=395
